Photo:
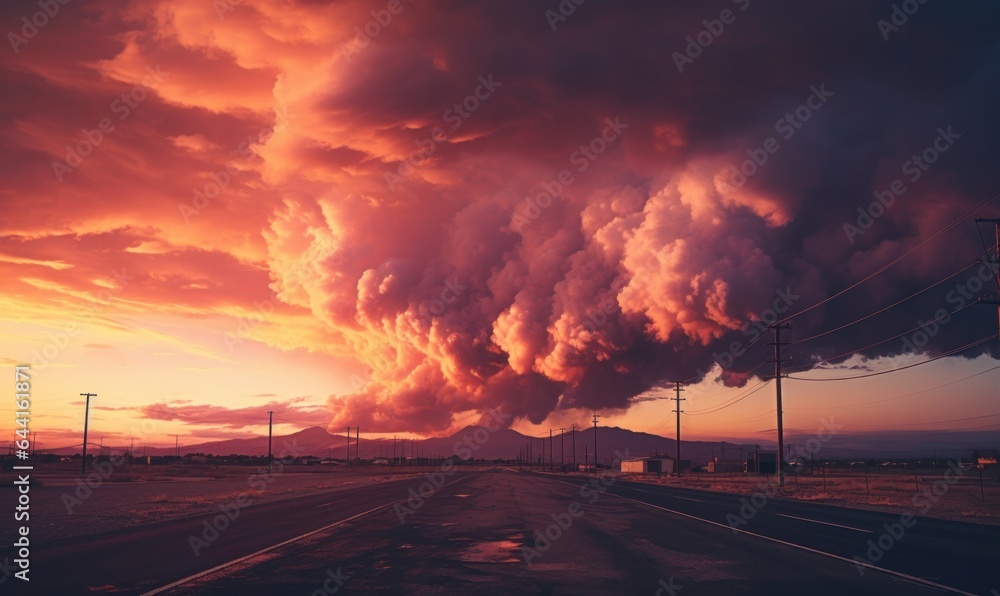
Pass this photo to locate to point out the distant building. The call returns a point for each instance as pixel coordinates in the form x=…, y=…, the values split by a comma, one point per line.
x=725, y=467
x=657, y=464
x=762, y=462
x=985, y=457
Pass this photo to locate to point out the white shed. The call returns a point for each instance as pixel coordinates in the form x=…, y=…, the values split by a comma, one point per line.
x=657, y=464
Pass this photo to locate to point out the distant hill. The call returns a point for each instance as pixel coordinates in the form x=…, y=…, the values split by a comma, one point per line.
x=506, y=444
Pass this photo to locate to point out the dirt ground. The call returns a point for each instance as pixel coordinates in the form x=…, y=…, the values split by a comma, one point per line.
x=936, y=493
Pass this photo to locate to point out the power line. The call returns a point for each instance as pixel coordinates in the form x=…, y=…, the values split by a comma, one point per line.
x=852, y=352
x=880, y=311
x=735, y=356
x=726, y=392
x=885, y=267
x=733, y=402
x=868, y=404
x=884, y=372
x=952, y=420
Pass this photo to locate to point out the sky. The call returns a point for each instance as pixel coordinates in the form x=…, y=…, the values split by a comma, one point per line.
x=402, y=215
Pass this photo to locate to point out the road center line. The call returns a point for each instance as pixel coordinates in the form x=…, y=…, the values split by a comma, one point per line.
x=685, y=498
x=816, y=521
x=260, y=552
x=201, y=574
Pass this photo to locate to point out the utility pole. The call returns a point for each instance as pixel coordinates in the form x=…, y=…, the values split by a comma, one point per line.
x=270, y=421
x=995, y=265
x=551, y=458
x=595, y=443
x=575, y=468
x=348, y=456
x=562, y=449
x=678, y=399
x=177, y=445
x=357, y=443
x=86, y=419
x=776, y=329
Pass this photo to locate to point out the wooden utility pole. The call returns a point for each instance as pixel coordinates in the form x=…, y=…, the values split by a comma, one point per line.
x=776, y=329
x=995, y=265
x=595, y=443
x=575, y=468
x=678, y=401
x=270, y=422
x=562, y=449
x=86, y=420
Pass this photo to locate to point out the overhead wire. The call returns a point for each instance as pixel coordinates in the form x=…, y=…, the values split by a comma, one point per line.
x=882, y=310
x=852, y=352
x=912, y=393
x=884, y=372
x=890, y=264
x=734, y=401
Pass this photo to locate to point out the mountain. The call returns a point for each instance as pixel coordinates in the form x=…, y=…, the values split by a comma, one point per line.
x=480, y=443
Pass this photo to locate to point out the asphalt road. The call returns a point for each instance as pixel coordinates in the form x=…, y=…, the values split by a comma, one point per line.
x=134, y=560
x=961, y=555
x=483, y=533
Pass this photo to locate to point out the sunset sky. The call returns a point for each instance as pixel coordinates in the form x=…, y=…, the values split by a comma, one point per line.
x=401, y=214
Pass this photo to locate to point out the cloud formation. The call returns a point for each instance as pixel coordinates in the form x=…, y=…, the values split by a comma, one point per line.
x=596, y=221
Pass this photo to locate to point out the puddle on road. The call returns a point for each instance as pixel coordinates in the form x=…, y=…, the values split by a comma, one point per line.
x=500, y=551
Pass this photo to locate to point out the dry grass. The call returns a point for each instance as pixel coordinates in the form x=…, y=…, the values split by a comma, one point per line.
x=888, y=491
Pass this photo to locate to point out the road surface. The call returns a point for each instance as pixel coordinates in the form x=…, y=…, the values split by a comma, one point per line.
x=484, y=532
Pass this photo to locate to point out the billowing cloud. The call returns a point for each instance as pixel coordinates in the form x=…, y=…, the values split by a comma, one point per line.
x=484, y=210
